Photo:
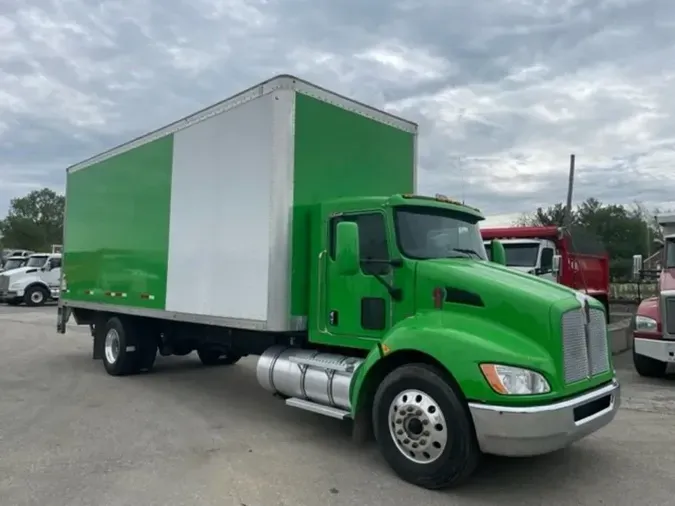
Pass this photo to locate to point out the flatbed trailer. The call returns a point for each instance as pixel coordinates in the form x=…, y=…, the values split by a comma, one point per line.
x=283, y=223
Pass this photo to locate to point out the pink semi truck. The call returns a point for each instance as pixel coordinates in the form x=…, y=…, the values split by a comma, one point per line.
x=654, y=321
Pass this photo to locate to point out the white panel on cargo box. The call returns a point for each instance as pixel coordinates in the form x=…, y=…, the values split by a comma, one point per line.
x=219, y=234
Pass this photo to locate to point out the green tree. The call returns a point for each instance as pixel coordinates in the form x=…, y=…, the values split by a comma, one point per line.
x=34, y=221
x=545, y=217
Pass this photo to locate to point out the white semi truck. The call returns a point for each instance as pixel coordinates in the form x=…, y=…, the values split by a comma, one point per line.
x=37, y=282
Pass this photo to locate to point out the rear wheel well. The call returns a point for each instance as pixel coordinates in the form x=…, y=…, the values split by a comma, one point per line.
x=363, y=429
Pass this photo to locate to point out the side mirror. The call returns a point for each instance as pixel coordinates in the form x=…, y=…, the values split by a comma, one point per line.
x=498, y=252
x=555, y=265
x=637, y=267
x=347, y=249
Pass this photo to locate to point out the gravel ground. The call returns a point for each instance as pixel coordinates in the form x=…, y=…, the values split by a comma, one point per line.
x=187, y=435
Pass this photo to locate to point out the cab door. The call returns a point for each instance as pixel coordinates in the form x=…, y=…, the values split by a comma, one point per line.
x=52, y=273
x=359, y=306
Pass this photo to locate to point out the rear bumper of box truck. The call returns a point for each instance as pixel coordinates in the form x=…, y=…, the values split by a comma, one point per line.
x=537, y=430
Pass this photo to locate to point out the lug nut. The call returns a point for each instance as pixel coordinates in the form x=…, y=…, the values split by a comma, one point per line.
x=423, y=441
x=399, y=432
x=414, y=445
x=425, y=422
x=426, y=433
x=406, y=441
x=418, y=412
x=399, y=421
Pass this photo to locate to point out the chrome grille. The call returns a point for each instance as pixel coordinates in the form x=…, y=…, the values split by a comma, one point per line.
x=584, y=357
x=669, y=318
x=4, y=283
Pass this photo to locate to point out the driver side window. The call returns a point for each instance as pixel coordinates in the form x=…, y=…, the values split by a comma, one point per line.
x=372, y=240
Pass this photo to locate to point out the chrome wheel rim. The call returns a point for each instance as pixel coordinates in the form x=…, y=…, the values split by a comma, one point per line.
x=417, y=426
x=112, y=346
x=36, y=297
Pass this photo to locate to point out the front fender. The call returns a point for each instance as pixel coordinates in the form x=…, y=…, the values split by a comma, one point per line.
x=459, y=343
x=23, y=283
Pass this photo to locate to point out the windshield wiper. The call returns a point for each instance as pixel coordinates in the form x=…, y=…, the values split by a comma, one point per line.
x=467, y=251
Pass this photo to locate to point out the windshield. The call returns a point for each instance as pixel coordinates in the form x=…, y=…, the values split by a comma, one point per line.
x=521, y=255
x=36, y=261
x=670, y=253
x=426, y=232
x=14, y=263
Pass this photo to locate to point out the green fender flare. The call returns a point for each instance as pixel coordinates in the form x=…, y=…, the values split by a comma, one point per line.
x=459, y=343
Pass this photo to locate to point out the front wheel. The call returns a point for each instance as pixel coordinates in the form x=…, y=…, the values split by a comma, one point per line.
x=423, y=428
x=36, y=296
x=649, y=367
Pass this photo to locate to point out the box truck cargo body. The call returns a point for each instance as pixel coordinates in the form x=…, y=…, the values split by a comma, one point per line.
x=207, y=219
x=284, y=223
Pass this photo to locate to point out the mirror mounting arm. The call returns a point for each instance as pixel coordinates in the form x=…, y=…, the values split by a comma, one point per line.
x=395, y=293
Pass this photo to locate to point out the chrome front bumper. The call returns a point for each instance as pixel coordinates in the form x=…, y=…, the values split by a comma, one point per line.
x=536, y=430
x=661, y=350
x=7, y=295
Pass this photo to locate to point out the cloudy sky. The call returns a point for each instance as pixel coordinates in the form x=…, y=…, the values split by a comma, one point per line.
x=503, y=90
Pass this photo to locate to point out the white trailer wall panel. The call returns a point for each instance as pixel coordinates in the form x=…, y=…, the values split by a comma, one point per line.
x=229, y=228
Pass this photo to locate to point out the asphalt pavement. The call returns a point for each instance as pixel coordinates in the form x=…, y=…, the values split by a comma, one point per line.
x=71, y=435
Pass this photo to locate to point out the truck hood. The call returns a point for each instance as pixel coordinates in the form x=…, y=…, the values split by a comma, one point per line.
x=527, y=304
x=650, y=308
x=18, y=271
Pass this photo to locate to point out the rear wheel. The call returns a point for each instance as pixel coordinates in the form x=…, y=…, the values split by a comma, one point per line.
x=210, y=356
x=423, y=428
x=124, y=351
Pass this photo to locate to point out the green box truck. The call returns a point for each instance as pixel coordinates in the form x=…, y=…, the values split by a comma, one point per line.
x=283, y=223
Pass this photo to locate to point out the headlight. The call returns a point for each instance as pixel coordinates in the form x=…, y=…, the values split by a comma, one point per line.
x=509, y=380
x=645, y=323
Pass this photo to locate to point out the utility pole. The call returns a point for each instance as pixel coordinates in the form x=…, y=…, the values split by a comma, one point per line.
x=570, y=187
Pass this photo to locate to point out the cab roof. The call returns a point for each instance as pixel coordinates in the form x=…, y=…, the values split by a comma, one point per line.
x=438, y=201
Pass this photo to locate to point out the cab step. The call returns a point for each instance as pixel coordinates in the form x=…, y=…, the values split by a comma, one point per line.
x=319, y=409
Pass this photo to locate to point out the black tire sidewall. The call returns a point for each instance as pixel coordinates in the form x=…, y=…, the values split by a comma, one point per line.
x=28, y=299
x=461, y=454
x=649, y=367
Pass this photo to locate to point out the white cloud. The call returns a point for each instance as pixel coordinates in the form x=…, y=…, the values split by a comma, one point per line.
x=503, y=90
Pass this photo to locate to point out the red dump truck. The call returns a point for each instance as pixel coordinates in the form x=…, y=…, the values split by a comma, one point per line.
x=654, y=321
x=569, y=257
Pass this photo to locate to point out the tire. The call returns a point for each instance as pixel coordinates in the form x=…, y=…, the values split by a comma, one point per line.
x=36, y=296
x=648, y=367
x=433, y=402
x=123, y=353
x=211, y=357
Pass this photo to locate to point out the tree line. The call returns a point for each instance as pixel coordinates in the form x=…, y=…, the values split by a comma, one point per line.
x=34, y=221
x=622, y=230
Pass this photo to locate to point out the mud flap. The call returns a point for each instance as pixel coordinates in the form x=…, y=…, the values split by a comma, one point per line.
x=63, y=315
